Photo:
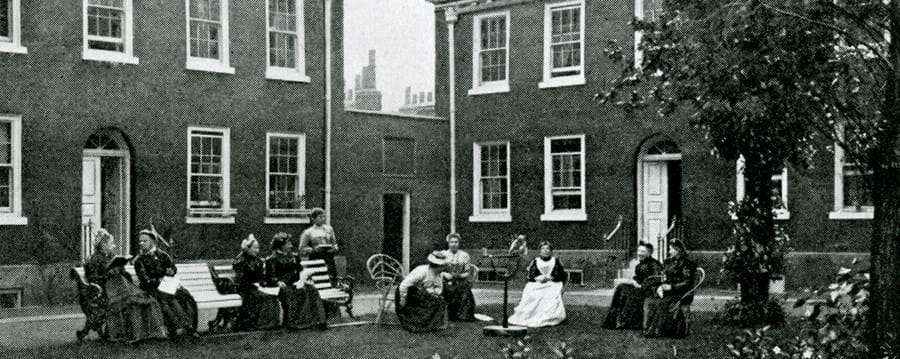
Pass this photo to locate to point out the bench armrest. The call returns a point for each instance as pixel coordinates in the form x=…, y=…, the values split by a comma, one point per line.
x=346, y=283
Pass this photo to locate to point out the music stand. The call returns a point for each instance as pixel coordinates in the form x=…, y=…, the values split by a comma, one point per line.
x=505, y=330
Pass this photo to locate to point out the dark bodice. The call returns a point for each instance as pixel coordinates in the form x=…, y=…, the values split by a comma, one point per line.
x=249, y=270
x=151, y=267
x=282, y=267
x=558, y=273
x=679, y=273
x=96, y=269
x=647, y=268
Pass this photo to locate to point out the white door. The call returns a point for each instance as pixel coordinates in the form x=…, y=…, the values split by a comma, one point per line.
x=91, y=199
x=655, y=205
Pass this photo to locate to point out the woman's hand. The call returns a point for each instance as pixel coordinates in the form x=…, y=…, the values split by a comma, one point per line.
x=666, y=287
x=446, y=276
x=281, y=285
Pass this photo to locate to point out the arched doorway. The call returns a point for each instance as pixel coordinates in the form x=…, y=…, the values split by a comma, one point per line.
x=106, y=190
x=658, y=192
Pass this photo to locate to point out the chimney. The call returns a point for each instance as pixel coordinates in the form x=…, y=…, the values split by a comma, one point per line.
x=408, y=95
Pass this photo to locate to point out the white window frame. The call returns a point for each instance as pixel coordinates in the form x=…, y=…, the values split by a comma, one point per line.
x=225, y=214
x=841, y=211
x=12, y=216
x=479, y=87
x=781, y=214
x=566, y=214
x=126, y=57
x=13, y=44
x=287, y=216
x=297, y=74
x=480, y=214
x=571, y=80
x=222, y=65
x=638, y=35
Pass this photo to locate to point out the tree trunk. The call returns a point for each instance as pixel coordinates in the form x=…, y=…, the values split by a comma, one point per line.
x=758, y=173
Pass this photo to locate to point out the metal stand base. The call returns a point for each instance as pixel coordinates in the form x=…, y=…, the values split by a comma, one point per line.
x=500, y=331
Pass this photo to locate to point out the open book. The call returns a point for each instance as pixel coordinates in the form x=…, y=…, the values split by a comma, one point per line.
x=168, y=285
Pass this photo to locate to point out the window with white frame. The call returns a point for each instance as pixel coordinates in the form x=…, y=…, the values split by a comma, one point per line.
x=11, y=27
x=852, y=198
x=209, y=182
x=285, y=175
x=563, y=44
x=207, y=36
x=491, y=196
x=108, y=31
x=564, y=179
x=286, y=58
x=490, y=51
x=11, y=170
x=779, y=186
x=647, y=10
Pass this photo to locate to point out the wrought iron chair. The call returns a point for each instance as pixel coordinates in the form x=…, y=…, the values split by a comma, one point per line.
x=387, y=273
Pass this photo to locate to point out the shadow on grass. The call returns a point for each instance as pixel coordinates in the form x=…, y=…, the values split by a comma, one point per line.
x=463, y=340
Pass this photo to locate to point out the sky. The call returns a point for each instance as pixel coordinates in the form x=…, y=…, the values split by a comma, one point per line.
x=402, y=34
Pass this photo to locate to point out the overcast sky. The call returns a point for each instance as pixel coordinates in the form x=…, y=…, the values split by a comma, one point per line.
x=402, y=34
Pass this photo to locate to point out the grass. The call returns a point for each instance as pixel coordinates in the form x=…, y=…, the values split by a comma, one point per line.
x=462, y=340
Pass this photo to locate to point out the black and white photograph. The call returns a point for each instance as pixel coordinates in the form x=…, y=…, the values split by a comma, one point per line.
x=450, y=179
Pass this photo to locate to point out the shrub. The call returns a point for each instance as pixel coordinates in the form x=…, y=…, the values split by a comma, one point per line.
x=751, y=315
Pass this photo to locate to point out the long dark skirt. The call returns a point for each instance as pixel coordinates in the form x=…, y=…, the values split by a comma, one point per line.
x=132, y=315
x=422, y=313
x=460, y=301
x=179, y=310
x=661, y=321
x=259, y=311
x=303, y=308
x=626, y=310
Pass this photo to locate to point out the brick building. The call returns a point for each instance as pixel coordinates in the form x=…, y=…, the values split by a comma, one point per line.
x=536, y=154
x=207, y=119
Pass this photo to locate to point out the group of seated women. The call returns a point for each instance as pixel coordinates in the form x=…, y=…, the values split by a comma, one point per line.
x=655, y=301
x=133, y=312
x=130, y=312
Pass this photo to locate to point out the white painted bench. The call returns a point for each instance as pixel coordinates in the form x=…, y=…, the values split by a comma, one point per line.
x=318, y=273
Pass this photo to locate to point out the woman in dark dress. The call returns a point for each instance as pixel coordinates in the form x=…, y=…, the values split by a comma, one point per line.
x=300, y=301
x=457, y=287
x=665, y=313
x=259, y=310
x=626, y=310
x=420, y=303
x=179, y=309
x=131, y=314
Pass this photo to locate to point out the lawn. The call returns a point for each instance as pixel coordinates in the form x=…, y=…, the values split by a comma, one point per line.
x=462, y=340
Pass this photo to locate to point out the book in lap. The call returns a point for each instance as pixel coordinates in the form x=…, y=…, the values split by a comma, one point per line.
x=168, y=285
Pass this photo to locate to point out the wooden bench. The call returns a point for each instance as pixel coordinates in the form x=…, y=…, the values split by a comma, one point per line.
x=341, y=295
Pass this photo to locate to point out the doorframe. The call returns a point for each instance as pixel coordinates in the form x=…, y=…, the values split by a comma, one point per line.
x=639, y=181
x=406, y=226
x=124, y=190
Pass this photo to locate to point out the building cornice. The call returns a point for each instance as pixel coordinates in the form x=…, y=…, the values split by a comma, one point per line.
x=473, y=6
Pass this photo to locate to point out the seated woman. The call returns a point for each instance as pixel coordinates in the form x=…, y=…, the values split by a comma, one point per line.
x=420, y=304
x=300, y=301
x=259, y=310
x=179, y=309
x=542, y=304
x=131, y=314
x=626, y=310
x=665, y=312
x=457, y=288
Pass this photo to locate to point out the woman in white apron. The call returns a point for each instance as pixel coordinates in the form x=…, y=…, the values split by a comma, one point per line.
x=542, y=303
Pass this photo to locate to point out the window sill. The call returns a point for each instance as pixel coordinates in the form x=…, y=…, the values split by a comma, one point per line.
x=564, y=217
x=208, y=220
x=491, y=218
x=13, y=220
x=855, y=215
x=489, y=89
x=109, y=56
x=562, y=82
x=286, y=220
x=285, y=74
x=201, y=64
x=210, y=216
x=13, y=48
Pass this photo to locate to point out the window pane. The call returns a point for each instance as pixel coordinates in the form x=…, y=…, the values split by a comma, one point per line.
x=5, y=186
x=855, y=192
x=106, y=21
x=205, y=9
x=5, y=18
x=282, y=49
x=567, y=202
x=565, y=145
x=207, y=191
x=5, y=143
x=492, y=57
x=205, y=39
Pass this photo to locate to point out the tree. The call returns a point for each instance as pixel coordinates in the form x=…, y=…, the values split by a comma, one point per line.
x=764, y=79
